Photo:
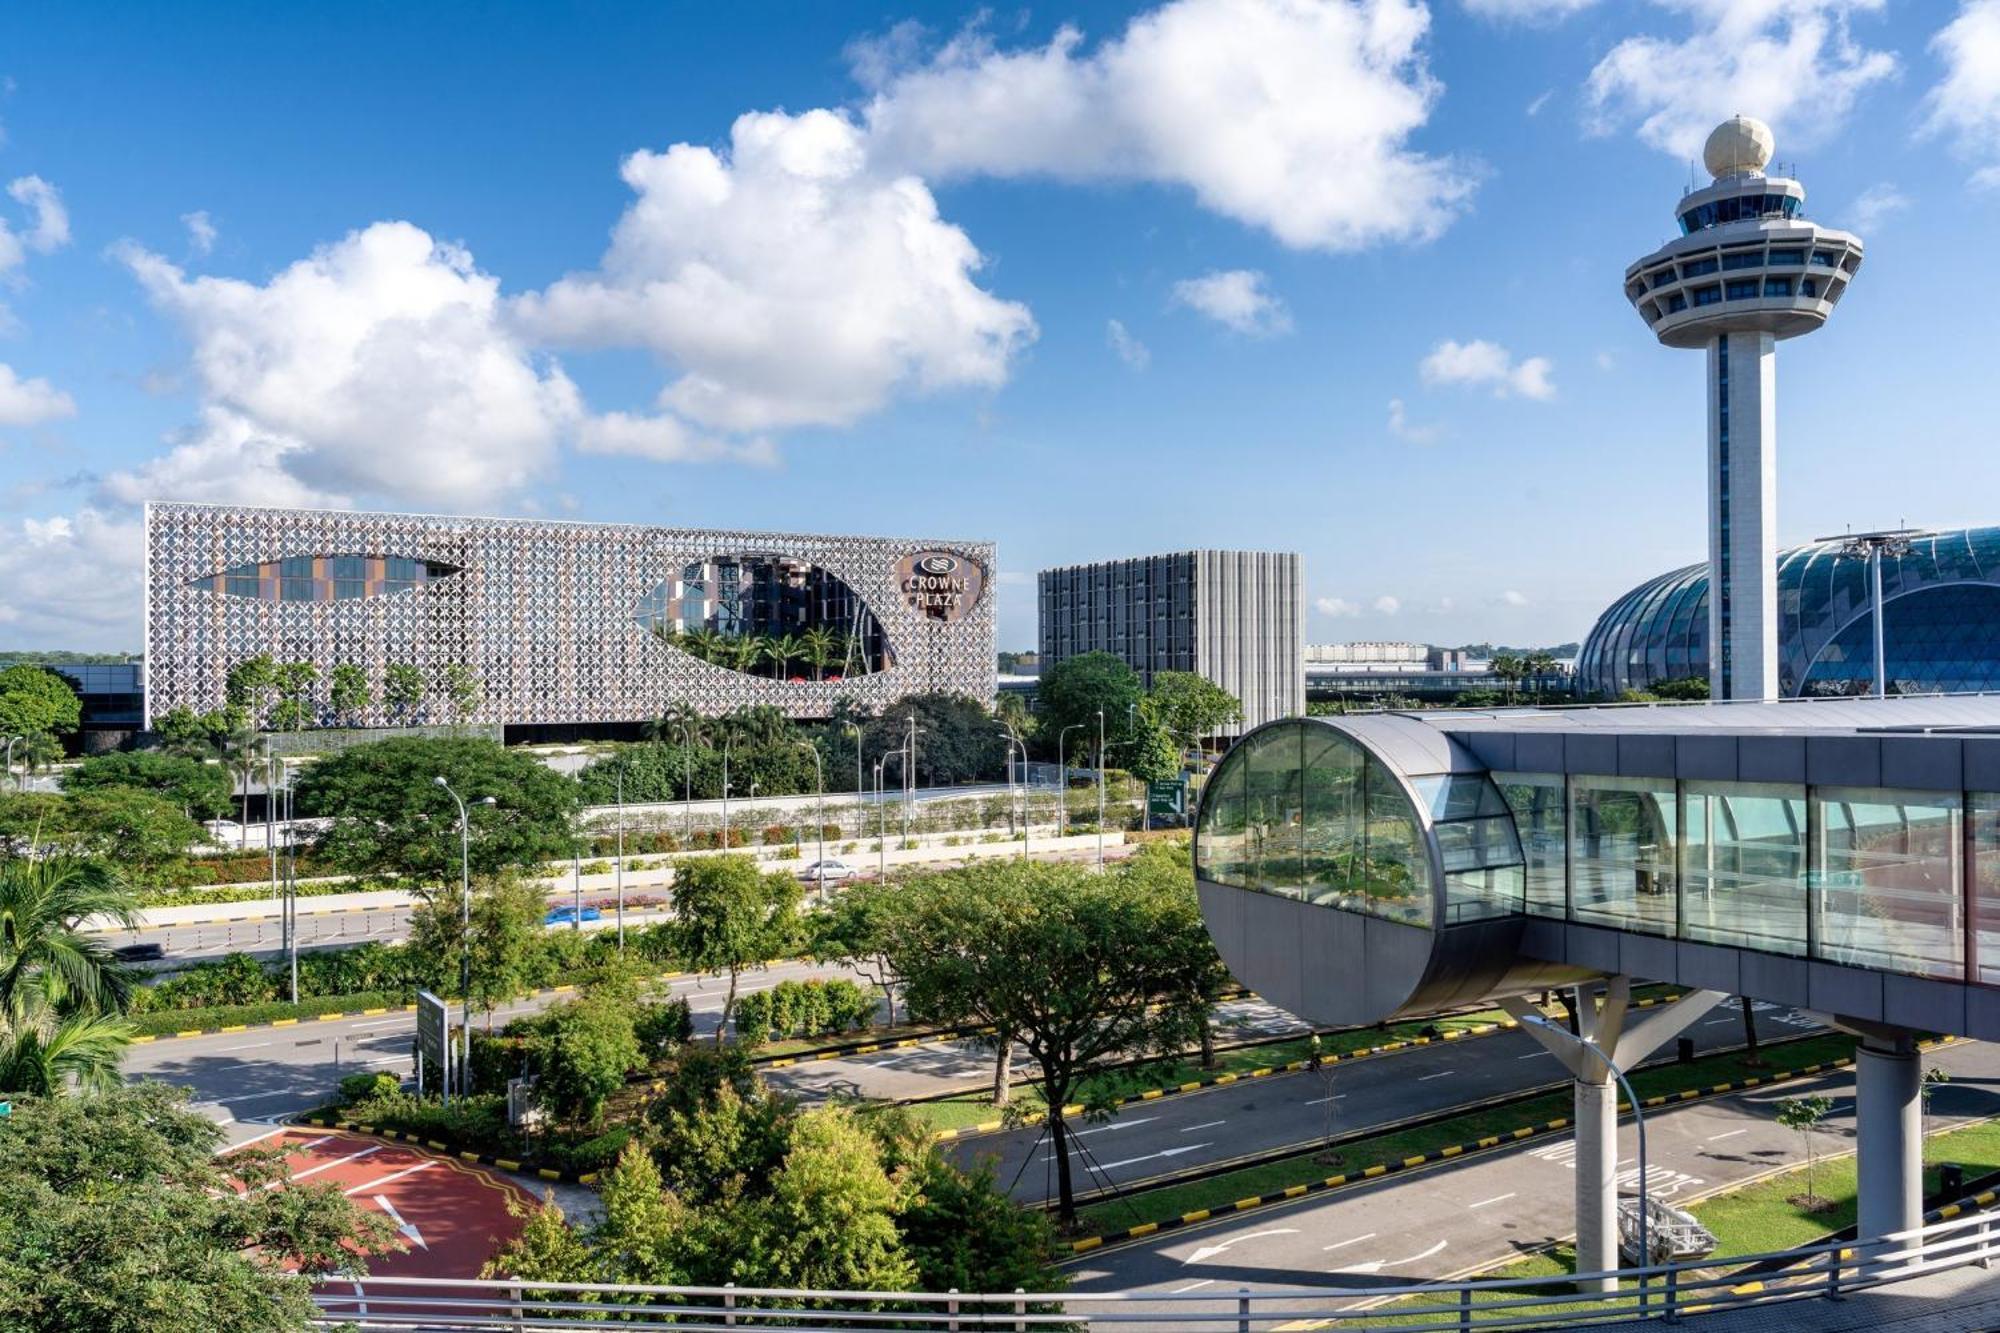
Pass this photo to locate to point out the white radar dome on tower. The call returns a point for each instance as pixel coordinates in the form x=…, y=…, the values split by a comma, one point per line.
x=1738, y=145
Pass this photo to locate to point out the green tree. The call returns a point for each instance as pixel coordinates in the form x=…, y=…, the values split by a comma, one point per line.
x=61, y=991
x=818, y=646
x=730, y=916
x=1078, y=689
x=1509, y=668
x=963, y=1233
x=957, y=741
x=387, y=814
x=402, y=689
x=506, y=940
x=583, y=1050
x=251, y=684
x=294, y=682
x=1803, y=1114
x=1150, y=751
x=348, y=694
x=35, y=701
x=193, y=735
x=463, y=692
x=1684, y=688
x=1079, y=967
x=1192, y=707
x=201, y=790
x=140, y=834
x=854, y=929
x=117, y=1216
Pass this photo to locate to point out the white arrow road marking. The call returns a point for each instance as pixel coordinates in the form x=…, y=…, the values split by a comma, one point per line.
x=1341, y=1245
x=393, y=1175
x=1377, y=1265
x=416, y=1236
x=1170, y=1152
x=1114, y=1125
x=1192, y=1286
x=1210, y=1251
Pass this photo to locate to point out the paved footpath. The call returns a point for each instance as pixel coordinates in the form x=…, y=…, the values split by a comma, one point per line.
x=1477, y=1212
x=1246, y=1118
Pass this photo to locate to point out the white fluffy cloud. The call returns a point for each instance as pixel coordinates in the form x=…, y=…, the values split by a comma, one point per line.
x=1338, y=607
x=667, y=439
x=71, y=581
x=1480, y=364
x=786, y=282
x=1387, y=605
x=1794, y=63
x=1236, y=298
x=200, y=230
x=1966, y=102
x=1511, y=597
x=379, y=366
x=1404, y=429
x=1127, y=348
x=1876, y=205
x=30, y=402
x=1294, y=116
x=1527, y=11
x=47, y=226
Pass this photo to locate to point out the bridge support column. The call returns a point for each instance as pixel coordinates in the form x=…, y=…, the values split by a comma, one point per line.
x=1603, y=1033
x=1889, y=1138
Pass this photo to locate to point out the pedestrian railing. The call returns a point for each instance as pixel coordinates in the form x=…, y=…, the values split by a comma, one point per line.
x=1667, y=1293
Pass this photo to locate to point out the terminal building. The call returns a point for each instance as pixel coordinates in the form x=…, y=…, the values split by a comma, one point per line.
x=1940, y=631
x=560, y=628
x=1234, y=617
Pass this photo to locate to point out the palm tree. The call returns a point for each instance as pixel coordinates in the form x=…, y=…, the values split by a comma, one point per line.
x=243, y=755
x=1539, y=665
x=667, y=728
x=817, y=647
x=704, y=643
x=746, y=651
x=785, y=650
x=61, y=991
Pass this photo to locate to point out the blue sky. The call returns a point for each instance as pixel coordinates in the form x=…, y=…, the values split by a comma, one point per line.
x=1338, y=276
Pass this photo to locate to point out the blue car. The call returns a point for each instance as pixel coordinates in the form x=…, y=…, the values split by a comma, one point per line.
x=563, y=916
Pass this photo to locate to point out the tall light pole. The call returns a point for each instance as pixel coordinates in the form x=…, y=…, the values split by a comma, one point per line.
x=1100, y=789
x=1014, y=741
x=1638, y=1119
x=727, y=741
x=881, y=824
x=291, y=894
x=621, y=853
x=860, y=789
x=1873, y=546
x=1063, y=764
x=465, y=924
x=819, y=784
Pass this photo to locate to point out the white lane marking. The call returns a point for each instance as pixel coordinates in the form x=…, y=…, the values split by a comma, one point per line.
x=416, y=1236
x=369, y=1151
x=386, y=1060
x=232, y=1147
x=1192, y=1286
x=392, y=1176
x=1341, y=1245
x=1209, y=1125
x=1534, y=1055
x=1715, y=1022
x=1730, y=1135
x=1498, y=1198
x=1210, y=1251
x=1106, y=1129
x=381, y=1023
x=257, y=1097
x=249, y=1046
x=1170, y=1152
x=1428, y=1077
x=1322, y=1101
x=1377, y=1265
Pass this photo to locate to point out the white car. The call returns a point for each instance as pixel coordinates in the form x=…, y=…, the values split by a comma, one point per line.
x=827, y=872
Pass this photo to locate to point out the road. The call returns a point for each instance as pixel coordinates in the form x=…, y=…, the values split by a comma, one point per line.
x=1480, y=1211
x=248, y=1081
x=958, y=1066
x=1202, y=1129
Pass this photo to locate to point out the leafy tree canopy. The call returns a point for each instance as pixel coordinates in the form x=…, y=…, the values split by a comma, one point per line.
x=958, y=739
x=389, y=815
x=117, y=1217
x=201, y=790
x=1077, y=689
x=506, y=939
x=136, y=831
x=1192, y=706
x=729, y=916
x=36, y=702
x=198, y=735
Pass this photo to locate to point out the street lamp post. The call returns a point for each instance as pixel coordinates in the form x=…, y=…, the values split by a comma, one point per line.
x=1100, y=789
x=621, y=854
x=727, y=741
x=465, y=924
x=1638, y=1119
x=860, y=788
x=819, y=784
x=1872, y=546
x=291, y=893
x=1013, y=742
x=881, y=824
x=1063, y=763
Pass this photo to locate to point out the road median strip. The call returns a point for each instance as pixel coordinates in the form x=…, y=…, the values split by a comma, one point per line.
x=1485, y=1143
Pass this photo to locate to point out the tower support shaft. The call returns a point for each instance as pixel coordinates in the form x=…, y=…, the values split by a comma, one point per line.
x=1743, y=516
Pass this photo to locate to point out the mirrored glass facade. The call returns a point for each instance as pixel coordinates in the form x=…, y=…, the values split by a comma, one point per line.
x=1941, y=622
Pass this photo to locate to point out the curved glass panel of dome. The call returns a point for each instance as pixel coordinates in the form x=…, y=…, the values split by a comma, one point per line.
x=1301, y=811
x=325, y=578
x=1939, y=639
x=767, y=614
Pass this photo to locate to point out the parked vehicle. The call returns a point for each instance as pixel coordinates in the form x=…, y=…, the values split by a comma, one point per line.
x=139, y=953
x=563, y=916
x=827, y=872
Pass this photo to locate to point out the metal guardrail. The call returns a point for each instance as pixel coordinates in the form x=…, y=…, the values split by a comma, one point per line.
x=1670, y=1292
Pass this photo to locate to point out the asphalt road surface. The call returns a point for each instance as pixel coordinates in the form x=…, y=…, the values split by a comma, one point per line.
x=1216, y=1125
x=249, y=1081
x=1452, y=1220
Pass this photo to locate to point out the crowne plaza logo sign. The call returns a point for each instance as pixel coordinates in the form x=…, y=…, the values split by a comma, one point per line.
x=940, y=585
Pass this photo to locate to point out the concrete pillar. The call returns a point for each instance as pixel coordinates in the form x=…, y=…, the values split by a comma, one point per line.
x=1889, y=1137
x=1596, y=1181
x=1743, y=516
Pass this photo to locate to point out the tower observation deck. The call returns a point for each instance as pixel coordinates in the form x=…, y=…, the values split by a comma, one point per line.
x=1747, y=270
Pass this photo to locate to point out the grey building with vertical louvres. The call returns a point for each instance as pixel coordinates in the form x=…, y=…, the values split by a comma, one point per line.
x=1235, y=617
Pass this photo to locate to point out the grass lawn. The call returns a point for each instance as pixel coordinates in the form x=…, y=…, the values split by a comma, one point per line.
x=1359, y=1153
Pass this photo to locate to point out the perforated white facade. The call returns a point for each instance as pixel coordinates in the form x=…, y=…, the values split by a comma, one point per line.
x=544, y=613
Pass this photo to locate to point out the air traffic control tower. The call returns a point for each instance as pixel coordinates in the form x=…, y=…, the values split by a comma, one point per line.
x=1747, y=270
